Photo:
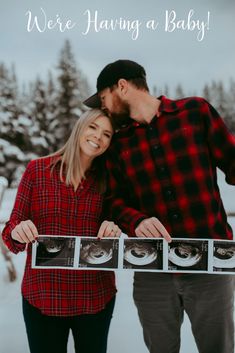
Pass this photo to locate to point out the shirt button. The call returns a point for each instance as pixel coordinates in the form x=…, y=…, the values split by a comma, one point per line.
x=157, y=150
x=175, y=216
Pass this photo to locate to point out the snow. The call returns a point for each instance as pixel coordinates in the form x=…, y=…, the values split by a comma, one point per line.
x=125, y=332
x=39, y=141
x=4, y=143
x=7, y=204
x=4, y=116
x=11, y=150
x=24, y=120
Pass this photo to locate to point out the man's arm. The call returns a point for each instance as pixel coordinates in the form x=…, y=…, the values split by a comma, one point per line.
x=221, y=142
x=118, y=204
x=118, y=199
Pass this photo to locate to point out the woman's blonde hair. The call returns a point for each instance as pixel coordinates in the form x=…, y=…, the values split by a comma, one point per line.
x=71, y=171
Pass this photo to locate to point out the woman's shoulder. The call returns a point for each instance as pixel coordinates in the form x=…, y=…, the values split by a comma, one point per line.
x=38, y=163
x=39, y=167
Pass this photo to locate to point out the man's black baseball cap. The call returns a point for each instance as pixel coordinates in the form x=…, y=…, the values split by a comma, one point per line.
x=111, y=74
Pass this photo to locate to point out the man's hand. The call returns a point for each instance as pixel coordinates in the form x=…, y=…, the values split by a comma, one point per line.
x=152, y=228
x=25, y=232
x=109, y=229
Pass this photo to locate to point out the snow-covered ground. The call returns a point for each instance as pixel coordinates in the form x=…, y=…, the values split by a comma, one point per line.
x=125, y=332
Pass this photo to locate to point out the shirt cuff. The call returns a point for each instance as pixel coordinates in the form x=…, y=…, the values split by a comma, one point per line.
x=135, y=222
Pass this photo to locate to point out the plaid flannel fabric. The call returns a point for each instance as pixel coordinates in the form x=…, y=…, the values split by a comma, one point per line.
x=56, y=209
x=167, y=169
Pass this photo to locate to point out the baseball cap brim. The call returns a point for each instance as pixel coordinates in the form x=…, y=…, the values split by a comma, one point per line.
x=93, y=101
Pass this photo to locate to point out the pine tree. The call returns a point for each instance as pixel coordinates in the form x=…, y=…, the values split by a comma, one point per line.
x=154, y=91
x=179, y=93
x=52, y=112
x=229, y=107
x=39, y=114
x=70, y=95
x=231, y=104
x=222, y=100
x=8, y=106
x=166, y=91
x=206, y=92
x=39, y=118
x=13, y=127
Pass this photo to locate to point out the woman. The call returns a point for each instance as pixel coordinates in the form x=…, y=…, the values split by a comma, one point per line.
x=62, y=194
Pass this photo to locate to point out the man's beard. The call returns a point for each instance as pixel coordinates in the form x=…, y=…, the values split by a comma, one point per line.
x=122, y=117
x=120, y=120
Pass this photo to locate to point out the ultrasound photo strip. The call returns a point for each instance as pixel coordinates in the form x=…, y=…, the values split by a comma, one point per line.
x=54, y=252
x=224, y=256
x=71, y=252
x=144, y=254
x=182, y=255
x=96, y=253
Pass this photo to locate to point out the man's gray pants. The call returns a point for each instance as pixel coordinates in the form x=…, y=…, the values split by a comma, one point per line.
x=161, y=299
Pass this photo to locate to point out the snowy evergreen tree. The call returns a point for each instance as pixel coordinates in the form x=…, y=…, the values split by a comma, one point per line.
x=8, y=106
x=166, y=91
x=70, y=95
x=161, y=91
x=154, y=93
x=52, y=112
x=12, y=128
x=214, y=94
x=230, y=108
x=206, y=93
x=39, y=117
x=84, y=88
x=223, y=100
x=179, y=93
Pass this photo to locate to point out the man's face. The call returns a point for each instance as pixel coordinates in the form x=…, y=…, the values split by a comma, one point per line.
x=114, y=106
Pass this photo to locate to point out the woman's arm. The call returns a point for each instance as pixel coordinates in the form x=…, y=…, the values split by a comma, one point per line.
x=16, y=229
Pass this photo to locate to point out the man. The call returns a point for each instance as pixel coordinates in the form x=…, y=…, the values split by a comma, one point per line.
x=162, y=181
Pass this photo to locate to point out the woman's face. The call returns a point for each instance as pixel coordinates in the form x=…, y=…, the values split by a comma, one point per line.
x=96, y=137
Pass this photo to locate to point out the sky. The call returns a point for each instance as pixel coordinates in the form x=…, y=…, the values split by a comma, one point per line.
x=188, y=41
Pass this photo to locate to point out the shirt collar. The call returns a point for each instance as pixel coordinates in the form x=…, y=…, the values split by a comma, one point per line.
x=167, y=105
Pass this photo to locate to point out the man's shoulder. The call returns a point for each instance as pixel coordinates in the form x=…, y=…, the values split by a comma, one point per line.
x=187, y=103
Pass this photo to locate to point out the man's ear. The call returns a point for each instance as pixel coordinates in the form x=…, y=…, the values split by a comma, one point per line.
x=123, y=85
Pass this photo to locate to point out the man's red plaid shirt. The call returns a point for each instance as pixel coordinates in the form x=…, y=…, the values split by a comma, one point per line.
x=167, y=169
x=56, y=209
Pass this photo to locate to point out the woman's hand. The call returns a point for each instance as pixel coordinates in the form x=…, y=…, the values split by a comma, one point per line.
x=25, y=232
x=109, y=229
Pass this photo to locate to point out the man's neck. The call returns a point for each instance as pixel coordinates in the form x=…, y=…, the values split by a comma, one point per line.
x=144, y=107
